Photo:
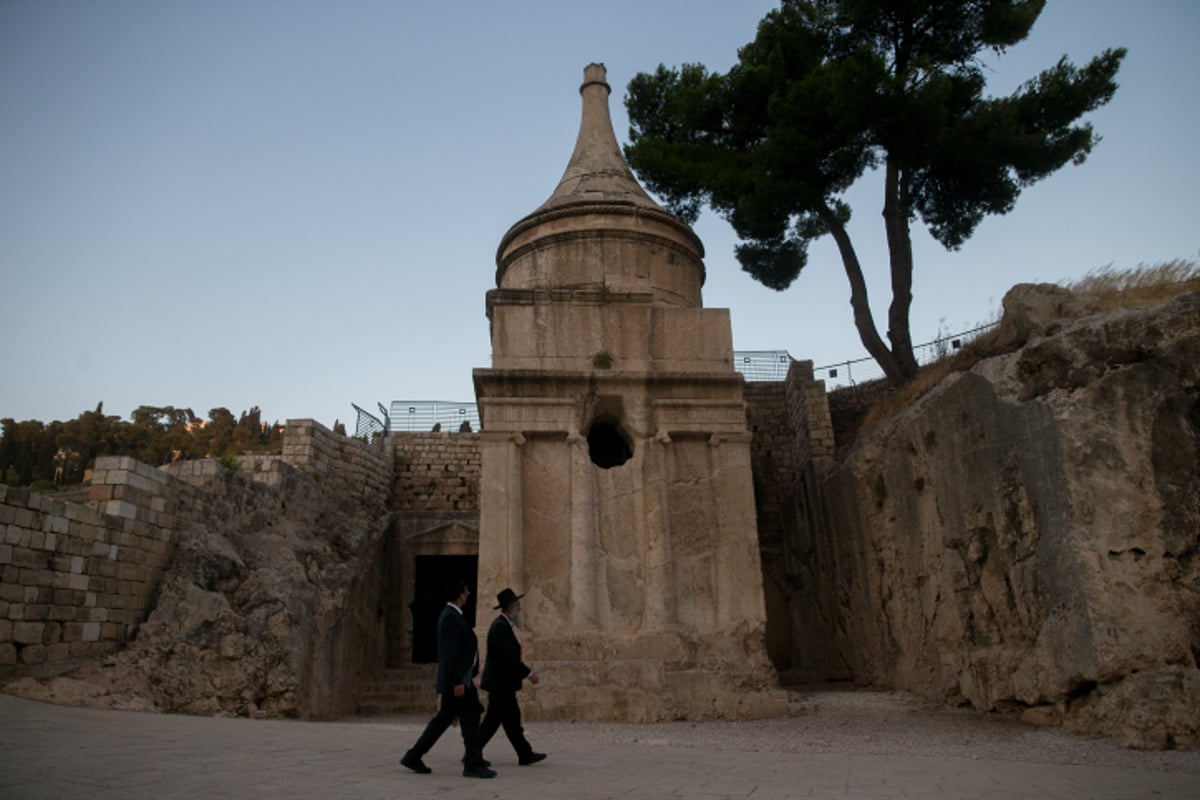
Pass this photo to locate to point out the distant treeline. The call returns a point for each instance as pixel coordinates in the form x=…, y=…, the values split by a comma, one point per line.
x=42, y=455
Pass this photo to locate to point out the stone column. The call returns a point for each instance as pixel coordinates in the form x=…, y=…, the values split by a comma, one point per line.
x=585, y=582
x=516, y=508
x=660, y=584
x=501, y=540
x=739, y=569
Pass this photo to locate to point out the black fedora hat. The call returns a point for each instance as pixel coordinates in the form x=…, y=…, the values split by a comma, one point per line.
x=507, y=598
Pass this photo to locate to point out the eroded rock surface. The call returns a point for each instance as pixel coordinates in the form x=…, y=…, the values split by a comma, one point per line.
x=267, y=608
x=1025, y=536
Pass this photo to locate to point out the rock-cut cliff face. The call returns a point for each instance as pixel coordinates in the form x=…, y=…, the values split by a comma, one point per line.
x=1025, y=536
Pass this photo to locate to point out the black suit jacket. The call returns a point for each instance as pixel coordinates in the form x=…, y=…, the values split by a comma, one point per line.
x=457, y=648
x=504, y=670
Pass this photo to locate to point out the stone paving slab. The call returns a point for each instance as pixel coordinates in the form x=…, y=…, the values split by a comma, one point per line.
x=51, y=751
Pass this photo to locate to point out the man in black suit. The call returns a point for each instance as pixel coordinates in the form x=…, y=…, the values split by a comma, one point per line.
x=503, y=675
x=458, y=663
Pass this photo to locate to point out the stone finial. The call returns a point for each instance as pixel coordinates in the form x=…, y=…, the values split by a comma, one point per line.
x=595, y=73
x=597, y=172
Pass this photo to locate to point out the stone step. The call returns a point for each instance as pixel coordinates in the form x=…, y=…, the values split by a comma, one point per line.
x=406, y=690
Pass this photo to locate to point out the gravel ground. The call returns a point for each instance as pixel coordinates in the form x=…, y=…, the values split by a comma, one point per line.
x=868, y=745
x=886, y=723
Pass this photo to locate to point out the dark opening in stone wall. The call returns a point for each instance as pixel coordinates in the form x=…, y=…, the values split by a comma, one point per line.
x=607, y=446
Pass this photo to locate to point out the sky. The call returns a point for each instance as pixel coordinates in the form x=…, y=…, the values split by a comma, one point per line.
x=296, y=205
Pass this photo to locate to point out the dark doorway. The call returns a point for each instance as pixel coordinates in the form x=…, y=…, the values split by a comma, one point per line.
x=434, y=575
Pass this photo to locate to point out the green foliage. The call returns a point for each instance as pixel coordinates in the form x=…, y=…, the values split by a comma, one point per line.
x=830, y=89
x=228, y=461
x=33, y=453
x=602, y=360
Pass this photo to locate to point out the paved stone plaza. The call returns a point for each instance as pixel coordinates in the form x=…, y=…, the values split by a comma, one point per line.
x=840, y=744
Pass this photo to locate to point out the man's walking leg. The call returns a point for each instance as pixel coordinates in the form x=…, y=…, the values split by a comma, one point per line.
x=447, y=711
x=491, y=720
x=516, y=733
x=468, y=720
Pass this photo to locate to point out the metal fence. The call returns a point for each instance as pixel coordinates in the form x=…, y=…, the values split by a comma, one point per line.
x=762, y=365
x=860, y=370
x=755, y=365
x=417, y=415
x=427, y=415
x=368, y=425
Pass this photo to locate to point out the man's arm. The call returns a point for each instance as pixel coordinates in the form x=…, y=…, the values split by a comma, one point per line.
x=450, y=638
x=511, y=652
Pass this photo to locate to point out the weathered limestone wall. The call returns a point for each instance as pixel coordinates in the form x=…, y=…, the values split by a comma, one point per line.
x=435, y=511
x=772, y=454
x=74, y=579
x=848, y=405
x=793, y=445
x=253, y=592
x=1025, y=536
x=436, y=471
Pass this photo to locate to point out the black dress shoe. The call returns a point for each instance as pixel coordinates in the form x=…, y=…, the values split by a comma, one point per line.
x=478, y=772
x=415, y=764
x=532, y=758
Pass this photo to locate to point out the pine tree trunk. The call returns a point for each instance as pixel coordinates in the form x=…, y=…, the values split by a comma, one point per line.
x=895, y=220
x=863, y=320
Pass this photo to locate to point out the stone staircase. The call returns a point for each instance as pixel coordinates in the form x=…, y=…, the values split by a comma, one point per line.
x=406, y=690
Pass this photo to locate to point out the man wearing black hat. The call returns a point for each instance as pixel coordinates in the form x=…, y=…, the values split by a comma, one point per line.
x=458, y=663
x=503, y=674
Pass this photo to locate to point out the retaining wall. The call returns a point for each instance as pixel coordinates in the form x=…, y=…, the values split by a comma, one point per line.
x=76, y=579
x=436, y=471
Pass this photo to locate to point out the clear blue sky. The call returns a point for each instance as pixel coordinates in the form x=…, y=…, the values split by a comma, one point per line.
x=296, y=204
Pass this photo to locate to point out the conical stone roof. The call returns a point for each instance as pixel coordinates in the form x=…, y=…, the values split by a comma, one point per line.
x=598, y=172
x=597, y=194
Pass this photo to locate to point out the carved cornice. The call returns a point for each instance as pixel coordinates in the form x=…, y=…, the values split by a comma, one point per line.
x=583, y=296
x=727, y=417
x=617, y=208
x=529, y=414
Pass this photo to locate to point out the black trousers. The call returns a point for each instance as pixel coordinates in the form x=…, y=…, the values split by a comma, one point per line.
x=466, y=710
x=503, y=710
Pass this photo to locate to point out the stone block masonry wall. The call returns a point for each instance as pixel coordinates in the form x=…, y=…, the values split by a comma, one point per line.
x=772, y=452
x=356, y=468
x=792, y=431
x=436, y=471
x=75, y=579
x=808, y=414
x=793, y=442
x=849, y=404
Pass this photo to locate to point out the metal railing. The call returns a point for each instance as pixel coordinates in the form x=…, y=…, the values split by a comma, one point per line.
x=755, y=365
x=428, y=415
x=861, y=370
x=417, y=415
x=762, y=365
x=368, y=425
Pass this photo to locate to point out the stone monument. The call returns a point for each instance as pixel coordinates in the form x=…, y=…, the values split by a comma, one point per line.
x=616, y=488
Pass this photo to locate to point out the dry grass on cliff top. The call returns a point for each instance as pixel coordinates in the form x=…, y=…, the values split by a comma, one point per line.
x=1143, y=285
